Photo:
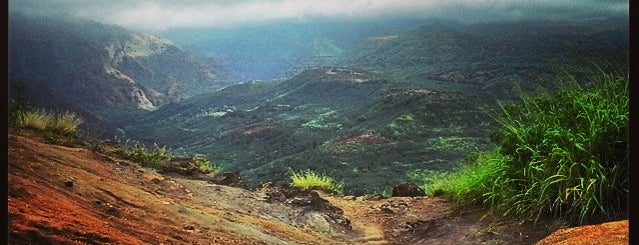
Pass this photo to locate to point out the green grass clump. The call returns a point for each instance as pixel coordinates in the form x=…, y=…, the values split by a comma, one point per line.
x=562, y=154
x=152, y=157
x=57, y=128
x=467, y=185
x=313, y=181
x=205, y=165
x=64, y=124
x=34, y=119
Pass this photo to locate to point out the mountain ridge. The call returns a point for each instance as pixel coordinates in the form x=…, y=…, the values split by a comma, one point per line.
x=104, y=69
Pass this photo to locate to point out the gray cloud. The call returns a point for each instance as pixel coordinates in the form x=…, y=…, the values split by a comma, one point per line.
x=163, y=14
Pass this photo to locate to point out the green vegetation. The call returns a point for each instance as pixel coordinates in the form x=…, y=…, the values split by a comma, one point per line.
x=205, y=165
x=56, y=128
x=314, y=181
x=467, y=185
x=563, y=154
x=65, y=124
x=324, y=121
x=406, y=124
x=154, y=157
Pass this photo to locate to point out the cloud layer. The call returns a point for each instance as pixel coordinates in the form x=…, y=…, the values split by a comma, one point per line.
x=163, y=14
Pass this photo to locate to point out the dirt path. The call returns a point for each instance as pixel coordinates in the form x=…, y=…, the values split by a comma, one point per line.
x=61, y=195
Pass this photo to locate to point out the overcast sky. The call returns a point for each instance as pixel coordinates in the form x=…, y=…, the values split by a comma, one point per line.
x=163, y=14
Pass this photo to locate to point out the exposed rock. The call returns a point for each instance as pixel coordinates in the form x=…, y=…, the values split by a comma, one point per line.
x=393, y=206
x=307, y=199
x=373, y=197
x=233, y=179
x=407, y=189
x=185, y=167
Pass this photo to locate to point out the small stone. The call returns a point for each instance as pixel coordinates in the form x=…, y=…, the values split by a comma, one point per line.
x=68, y=184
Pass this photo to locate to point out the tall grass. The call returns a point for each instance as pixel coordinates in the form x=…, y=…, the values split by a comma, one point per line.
x=467, y=185
x=562, y=154
x=66, y=123
x=63, y=124
x=315, y=181
x=34, y=119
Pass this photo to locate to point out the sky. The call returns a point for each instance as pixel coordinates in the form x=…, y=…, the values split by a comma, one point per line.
x=166, y=14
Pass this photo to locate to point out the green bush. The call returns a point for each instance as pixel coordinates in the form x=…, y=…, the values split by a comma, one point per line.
x=562, y=154
x=314, y=181
x=153, y=157
x=205, y=165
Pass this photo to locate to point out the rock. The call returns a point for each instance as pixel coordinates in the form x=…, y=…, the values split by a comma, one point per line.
x=372, y=197
x=407, y=189
x=181, y=166
x=309, y=200
x=68, y=184
x=233, y=179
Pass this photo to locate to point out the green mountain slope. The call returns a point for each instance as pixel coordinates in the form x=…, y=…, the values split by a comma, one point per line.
x=418, y=103
x=507, y=58
x=102, y=69
x=358, y=127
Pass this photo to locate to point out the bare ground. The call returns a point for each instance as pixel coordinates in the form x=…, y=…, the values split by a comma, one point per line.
x=63, y=195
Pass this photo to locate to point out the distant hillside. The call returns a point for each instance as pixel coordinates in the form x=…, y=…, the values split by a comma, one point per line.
x=100, y=68
x=504, y=58
x=273, y=50
x=351, y=124
x=410, y=106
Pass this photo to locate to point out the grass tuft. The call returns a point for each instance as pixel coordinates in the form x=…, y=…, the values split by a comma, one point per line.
x=153, y=157
x=310, y=180
x=66, y=123
x=205, y=165
x=63, y=125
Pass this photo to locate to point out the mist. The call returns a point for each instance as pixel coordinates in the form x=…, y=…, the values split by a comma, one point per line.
x=163, y=14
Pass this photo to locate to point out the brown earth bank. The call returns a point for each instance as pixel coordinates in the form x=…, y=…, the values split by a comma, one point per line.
x=66, y=195
x=611, y=233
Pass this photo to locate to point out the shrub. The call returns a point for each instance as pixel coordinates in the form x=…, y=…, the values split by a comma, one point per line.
x=155, y=157
x=314, y=181
x=205, y=165
x=562, y=154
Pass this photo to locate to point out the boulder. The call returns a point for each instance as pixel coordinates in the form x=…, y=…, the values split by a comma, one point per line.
x=408, y=189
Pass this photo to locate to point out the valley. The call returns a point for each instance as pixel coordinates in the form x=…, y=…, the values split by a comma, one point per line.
x=428, y=108
x=371, y=103
x=427, y=96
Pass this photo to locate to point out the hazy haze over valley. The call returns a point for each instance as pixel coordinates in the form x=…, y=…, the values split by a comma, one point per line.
x=161, y=15
x=269, y=39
